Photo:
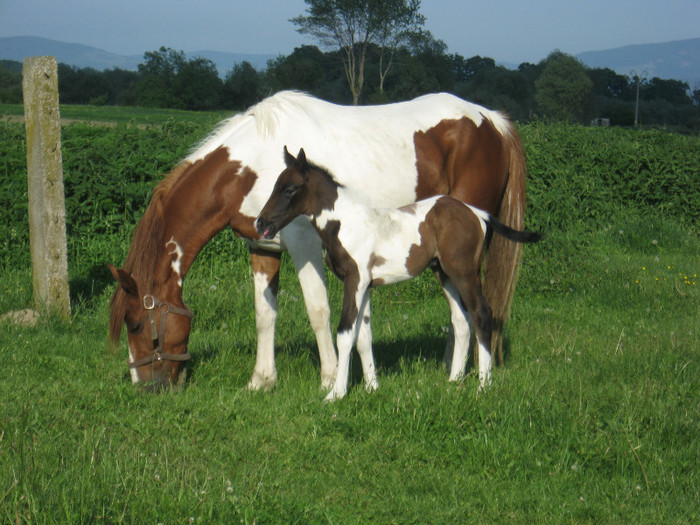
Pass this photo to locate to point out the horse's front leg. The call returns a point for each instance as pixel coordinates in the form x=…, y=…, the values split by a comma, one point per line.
x=305, y=248
x=266, y=266
x=348, y=328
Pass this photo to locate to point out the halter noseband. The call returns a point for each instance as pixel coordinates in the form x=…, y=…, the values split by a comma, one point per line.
x=151, y=303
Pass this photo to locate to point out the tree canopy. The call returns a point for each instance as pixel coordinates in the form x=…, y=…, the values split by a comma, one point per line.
x=354, y=25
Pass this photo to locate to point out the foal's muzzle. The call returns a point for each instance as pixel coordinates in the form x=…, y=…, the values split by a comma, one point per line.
x=266, y=229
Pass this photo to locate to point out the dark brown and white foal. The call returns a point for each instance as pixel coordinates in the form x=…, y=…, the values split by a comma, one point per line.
x=371, y=247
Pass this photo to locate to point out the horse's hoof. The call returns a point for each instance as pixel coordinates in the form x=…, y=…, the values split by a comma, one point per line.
x=327, y=381
x=372, y=385
x=260, y=382
x=333, y=396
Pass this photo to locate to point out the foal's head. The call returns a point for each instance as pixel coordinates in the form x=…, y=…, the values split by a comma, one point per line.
x=296, y=192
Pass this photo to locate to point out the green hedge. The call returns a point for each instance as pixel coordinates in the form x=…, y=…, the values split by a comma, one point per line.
x=578, y=177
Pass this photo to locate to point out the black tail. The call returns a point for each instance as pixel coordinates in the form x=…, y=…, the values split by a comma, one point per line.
x=511, y=234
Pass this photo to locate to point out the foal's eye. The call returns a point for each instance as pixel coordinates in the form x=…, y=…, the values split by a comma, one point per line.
x=289, y=191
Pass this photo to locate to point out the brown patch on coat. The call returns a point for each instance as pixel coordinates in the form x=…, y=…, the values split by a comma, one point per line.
x=457, y=158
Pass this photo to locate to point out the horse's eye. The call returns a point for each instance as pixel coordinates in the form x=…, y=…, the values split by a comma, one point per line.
x=136, y=328
x=289, y=191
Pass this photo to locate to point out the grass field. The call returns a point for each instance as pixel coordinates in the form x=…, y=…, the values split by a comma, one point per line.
x=593, y=418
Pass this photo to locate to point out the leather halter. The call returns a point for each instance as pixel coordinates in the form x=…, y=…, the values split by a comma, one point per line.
x=151, y=304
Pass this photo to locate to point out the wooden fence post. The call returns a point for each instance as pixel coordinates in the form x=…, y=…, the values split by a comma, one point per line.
x=47, y=210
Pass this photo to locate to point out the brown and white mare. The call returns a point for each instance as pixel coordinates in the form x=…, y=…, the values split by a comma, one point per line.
x=368, y=247
x=435, y=144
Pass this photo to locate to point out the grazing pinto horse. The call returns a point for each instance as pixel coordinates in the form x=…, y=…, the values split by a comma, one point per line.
x=435, y=144
x=370, y=247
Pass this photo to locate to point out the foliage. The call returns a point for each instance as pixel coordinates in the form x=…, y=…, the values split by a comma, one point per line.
x=563, y=91
x=10, y=84
x=354, y=25
x=593, y=419
x=420, y=65
x=168, y=79
x=581, y=177
x=242, y=87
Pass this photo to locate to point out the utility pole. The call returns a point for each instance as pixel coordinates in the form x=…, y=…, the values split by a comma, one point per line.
x=636, y=104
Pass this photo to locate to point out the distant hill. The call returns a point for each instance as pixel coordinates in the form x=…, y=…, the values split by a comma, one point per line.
x=17, y=48
x=679, y=60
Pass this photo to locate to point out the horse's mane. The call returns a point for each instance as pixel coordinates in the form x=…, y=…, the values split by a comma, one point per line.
x=145, y=250
x=267, y=114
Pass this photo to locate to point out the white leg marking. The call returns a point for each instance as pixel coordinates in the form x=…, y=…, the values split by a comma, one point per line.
x=364, y=347
x=265, y=373
x=460, y=331
x=132, y=371
x=340, y=387
x=304, y=247
x=176, y=263
x=484, y=367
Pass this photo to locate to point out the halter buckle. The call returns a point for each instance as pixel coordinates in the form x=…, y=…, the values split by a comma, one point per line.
x=149, y=302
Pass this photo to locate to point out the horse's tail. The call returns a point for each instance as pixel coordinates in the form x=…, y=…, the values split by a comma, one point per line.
x=502, y=262
x=509, y=233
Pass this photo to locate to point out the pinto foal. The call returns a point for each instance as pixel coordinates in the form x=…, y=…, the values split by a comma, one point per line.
x=370, y=247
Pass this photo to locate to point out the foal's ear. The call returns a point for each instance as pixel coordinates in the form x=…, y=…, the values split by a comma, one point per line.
x=288, y=158
x=301, y=162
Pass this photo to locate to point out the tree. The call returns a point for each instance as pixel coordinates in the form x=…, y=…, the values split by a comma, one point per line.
x=242, y=87
x=563, y=91
x=352, y=25
x=158, y=71
x=303, y=70
x=168, y=79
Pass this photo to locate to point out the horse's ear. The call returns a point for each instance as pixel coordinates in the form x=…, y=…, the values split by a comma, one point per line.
x=125, y=280
x=288, y=158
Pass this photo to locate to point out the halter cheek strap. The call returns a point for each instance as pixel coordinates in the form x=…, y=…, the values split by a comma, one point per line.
x=151, y=304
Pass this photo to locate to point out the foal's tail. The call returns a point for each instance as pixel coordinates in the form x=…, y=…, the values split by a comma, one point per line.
x=510, y=233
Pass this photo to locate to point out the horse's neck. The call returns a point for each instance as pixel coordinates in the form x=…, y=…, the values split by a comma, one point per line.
x=194, y=210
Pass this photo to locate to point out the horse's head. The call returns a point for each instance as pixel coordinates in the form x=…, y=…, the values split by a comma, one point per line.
x=157, y=326
x=289, y=196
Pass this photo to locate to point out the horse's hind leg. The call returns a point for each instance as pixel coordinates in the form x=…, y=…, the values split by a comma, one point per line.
x=456, y=356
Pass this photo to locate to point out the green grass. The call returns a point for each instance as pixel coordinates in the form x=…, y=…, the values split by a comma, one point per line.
x=125, y=115
x=593, y=419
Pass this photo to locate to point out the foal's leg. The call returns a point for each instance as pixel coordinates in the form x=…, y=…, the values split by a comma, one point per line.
x=266, y=267
x=353, y=298
x=480, y=312
x=305, y=248
x=364, y=346
x=461, y=333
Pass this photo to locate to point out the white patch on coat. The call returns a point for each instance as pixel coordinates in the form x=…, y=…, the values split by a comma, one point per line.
x=176, y=263
x=132, y=371
x=332, y=134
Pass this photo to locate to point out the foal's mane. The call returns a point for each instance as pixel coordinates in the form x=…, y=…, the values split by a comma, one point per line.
x=145, y=250
x=325, y=173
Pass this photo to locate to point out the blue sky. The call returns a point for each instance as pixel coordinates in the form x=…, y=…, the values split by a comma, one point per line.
x=511, y=31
